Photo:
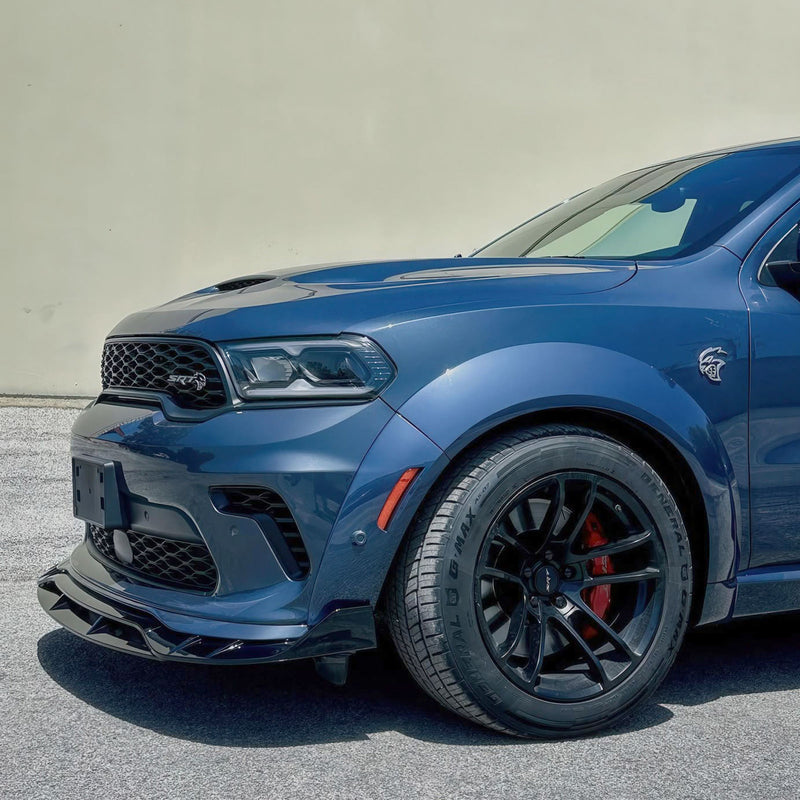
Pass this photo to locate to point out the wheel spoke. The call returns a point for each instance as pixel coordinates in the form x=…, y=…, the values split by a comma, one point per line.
x=647, y=574
x=497, y=621
x=577, y=526
x=526, y=514
x=554, y=510
x=594, y=662
x=516, y=628
x=537, y=642
x=501, y=575
x=506, y=533
x=613, y=548
x=599, y=623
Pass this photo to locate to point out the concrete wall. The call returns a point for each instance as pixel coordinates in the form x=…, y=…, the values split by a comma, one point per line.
x=151, y=148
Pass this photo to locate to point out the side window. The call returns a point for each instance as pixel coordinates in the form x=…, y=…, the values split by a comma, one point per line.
x=787, y=248
x=781, y=267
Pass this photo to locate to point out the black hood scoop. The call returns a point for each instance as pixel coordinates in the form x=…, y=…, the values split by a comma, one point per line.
x=236, y=284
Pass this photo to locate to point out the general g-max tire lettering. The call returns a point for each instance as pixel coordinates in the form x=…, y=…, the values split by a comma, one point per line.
x=454, y=627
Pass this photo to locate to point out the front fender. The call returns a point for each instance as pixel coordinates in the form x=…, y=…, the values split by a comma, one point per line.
x=461, y=405
x=353, y=573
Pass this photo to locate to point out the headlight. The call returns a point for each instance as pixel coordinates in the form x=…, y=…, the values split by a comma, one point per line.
x=341, y=368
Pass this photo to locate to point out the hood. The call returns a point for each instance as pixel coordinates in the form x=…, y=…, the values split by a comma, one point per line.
x=362, y=297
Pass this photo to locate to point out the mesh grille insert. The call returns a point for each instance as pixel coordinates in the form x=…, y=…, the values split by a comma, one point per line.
x=258, y=501
x=184, y=370
x=185, y=564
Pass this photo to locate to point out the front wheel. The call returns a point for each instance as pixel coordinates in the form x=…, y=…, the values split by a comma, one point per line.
x=545, y=587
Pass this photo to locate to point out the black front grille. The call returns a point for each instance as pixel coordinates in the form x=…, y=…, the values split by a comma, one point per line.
x=186, y=371
x=259, y=502
x=185, y=564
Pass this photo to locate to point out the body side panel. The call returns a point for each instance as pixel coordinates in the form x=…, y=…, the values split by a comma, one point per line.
x=643, y=395
x=644, y=366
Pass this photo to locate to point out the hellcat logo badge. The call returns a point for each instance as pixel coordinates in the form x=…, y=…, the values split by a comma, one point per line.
x=195, y=381
x=710, y=364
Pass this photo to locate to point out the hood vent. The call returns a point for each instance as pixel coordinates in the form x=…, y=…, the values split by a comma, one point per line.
x=243, y=283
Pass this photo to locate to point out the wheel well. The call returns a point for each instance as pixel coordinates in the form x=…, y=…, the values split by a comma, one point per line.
x=662, y=456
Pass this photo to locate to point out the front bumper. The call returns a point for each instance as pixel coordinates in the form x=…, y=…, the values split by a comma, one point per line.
x=167, y=472
x=342, y=631
x=333, y=466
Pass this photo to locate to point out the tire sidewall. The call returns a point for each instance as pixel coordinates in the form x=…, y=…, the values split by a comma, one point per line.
x=506, y=474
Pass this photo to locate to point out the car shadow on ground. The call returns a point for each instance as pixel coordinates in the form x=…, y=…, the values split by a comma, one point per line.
x=287, y=705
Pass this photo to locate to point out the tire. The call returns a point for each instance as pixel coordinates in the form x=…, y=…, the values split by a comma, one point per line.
x=499, y=579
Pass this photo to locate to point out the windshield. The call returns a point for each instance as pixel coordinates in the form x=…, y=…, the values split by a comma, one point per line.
x=666, y=211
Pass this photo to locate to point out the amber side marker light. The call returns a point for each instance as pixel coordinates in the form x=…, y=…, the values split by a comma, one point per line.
x=396, y=495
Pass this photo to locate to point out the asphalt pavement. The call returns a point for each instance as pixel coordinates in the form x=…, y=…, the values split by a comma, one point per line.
x=77, y=721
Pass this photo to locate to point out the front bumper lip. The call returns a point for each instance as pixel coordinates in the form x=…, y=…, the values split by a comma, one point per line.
x=343, y=630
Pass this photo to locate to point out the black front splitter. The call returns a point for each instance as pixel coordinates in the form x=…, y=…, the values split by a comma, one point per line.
x=343, y=631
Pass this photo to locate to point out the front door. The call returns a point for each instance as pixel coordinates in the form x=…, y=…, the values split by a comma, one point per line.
x=774, y=431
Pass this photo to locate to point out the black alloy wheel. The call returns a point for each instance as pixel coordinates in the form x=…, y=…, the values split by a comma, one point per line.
x=545, y=587
x=541, y=586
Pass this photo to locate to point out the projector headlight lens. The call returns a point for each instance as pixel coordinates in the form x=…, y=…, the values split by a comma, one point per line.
x=340, y=368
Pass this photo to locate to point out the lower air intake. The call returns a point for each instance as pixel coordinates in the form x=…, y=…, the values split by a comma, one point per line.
x=272, y=514
x=187, y=565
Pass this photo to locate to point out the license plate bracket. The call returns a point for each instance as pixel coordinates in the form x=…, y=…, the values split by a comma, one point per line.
x=95, y=493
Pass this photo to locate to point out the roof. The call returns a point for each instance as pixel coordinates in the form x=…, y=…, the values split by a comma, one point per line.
x=772, y=144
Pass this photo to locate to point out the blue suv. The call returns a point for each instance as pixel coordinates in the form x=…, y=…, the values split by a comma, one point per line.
x=535, y=467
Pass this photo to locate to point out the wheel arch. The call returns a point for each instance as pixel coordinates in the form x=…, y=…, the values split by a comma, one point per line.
x=616, y=395
x=651, y=445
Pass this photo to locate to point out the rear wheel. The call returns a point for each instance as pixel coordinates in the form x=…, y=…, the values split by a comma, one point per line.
x=544, y=589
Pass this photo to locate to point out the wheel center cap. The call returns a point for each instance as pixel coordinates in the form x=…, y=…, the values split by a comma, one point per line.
x=546, y=580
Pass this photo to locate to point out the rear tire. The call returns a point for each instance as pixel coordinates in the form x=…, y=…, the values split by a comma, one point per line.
x=544, y=587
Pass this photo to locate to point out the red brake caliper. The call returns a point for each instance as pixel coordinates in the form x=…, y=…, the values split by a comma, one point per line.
x=598, y=598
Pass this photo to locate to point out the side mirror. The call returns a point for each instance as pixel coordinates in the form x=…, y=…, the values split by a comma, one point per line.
x=783, y=274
